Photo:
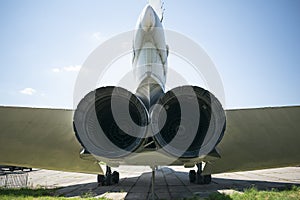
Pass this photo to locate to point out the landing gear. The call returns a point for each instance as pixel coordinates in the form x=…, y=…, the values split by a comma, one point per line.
x=109, y=178
x=101, y=179
x=197, y=177
x=152, y=195
x=192, y=176
x=115, y=177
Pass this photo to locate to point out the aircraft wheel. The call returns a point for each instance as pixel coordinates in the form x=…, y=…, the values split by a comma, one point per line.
x=192, y=176
x=101, y=179
x=200, y=179
x=207, y=179
x=108, y=179
x=115, y=177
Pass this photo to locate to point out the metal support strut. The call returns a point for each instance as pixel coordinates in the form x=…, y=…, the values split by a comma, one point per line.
x=153, y=196
x=109, y=178
x=198, y=177
x=108, y=175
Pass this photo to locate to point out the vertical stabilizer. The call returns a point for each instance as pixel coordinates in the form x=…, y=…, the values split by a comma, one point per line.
x=157, y=5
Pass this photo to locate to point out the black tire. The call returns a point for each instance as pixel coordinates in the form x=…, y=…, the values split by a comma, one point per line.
x=108, y=180
x=200, y=179
x=11, y=169
x=192, y=176
x=100, y=179
x=207, y=179
x=115, y=177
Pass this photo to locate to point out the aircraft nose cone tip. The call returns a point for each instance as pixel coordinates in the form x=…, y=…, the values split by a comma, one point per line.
x=148, y=18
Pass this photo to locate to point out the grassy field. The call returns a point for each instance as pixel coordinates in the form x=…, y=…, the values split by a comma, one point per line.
x=34, y=194
x=252, y=194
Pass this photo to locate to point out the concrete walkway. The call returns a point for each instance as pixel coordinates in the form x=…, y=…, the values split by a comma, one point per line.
x=171, y=182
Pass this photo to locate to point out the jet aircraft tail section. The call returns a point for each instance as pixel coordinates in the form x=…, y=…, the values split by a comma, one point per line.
x=158, y=6
x=110, y=122
x=149, y=91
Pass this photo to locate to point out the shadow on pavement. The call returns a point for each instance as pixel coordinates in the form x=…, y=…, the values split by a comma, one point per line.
x=169, y=184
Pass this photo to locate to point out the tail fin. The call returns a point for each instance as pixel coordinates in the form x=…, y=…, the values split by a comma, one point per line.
x=157, y=5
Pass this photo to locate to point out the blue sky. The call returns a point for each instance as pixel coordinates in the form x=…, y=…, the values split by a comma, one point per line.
x=255, y=45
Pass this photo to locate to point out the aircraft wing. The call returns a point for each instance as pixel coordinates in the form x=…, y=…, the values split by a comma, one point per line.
x=257, y=139
x=254, y=139
x=41, y=138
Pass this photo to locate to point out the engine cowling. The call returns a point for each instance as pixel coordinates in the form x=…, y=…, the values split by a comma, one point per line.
x=110, y=122
x=188, y=122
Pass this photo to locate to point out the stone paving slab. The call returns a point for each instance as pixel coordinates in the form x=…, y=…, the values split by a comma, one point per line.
x=171, y=182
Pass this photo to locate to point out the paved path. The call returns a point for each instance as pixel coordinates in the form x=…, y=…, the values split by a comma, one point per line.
x=171, y=182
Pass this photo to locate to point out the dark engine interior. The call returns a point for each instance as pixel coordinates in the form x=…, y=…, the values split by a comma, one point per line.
x=187, y=121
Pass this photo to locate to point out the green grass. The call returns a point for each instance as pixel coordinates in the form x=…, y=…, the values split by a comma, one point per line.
x=292, y=193
x=35, y=194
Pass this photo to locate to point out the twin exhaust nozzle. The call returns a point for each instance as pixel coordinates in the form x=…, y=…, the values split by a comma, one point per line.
x=112, y=122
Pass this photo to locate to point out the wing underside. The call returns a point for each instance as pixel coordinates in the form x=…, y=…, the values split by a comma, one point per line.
x=258, y=139
x=41, y=138
x=254, y=139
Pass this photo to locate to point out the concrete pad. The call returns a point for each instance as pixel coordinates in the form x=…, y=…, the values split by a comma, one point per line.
x=229, y=192
x=139, y=189
x=163, y=195
x=121, y=188
x=171, y=182
x=128, y=181
x=181, y=195
x=115, y=196
x=136, y=195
